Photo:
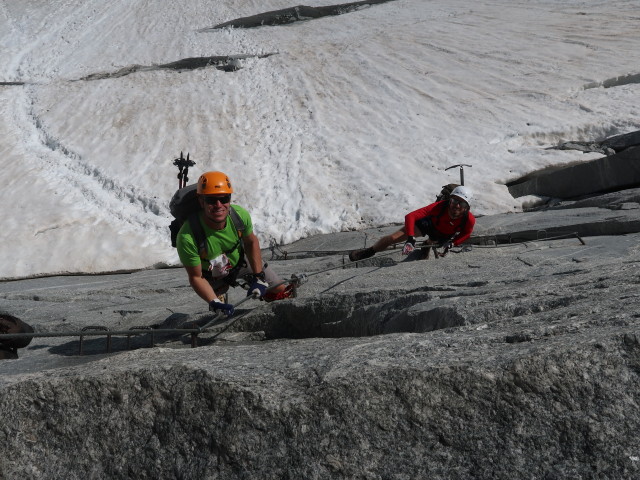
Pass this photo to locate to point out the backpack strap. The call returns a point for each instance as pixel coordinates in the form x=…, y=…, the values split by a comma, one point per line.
x=240, y=227
x=198, y=235
x=237, y=222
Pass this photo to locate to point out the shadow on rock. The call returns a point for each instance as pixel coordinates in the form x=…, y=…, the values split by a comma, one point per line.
x=361, y=315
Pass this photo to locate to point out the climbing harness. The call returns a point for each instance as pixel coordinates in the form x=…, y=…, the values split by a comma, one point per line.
x=427, y=248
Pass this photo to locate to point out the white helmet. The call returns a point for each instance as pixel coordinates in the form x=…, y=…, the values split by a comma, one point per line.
x=463, y=193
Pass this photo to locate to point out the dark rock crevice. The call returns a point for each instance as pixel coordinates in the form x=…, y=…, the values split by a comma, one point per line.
x=290, y=15
x=608, y=146
x=363, y=315
x=620, y=81
x=227, y=63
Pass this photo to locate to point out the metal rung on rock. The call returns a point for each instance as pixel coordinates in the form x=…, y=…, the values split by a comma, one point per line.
x=95, y=328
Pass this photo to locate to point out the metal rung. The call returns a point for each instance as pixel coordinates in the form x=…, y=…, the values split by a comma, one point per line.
x=95, y=328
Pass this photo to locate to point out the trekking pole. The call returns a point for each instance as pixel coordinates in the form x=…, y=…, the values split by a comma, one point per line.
x=183, y=165
x=461, y=165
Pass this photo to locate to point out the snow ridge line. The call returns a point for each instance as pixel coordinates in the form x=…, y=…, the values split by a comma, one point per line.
x=99, y=191
x=86, y=170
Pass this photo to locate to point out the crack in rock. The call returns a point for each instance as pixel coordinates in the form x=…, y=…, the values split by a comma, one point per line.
x=608, y=146
x=620, y=81
x=290, y=15
x=226, y=63
x=373, y=313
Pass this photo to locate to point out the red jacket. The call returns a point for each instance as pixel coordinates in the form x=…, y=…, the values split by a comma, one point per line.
x=443, y=223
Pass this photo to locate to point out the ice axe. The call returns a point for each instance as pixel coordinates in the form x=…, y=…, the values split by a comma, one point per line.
x=183, y=165
x=461, y=165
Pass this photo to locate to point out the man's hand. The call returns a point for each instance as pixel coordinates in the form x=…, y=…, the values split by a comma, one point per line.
x=410, y=246
x=258, y=286
x=217, y=306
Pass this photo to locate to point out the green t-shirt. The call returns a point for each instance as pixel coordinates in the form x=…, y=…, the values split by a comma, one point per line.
x=219, y=241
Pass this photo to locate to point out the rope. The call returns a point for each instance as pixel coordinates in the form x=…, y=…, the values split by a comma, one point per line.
x=558, y=237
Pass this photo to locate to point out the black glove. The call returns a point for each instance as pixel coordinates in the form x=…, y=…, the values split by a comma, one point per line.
x=218, y=306
x=258, y=286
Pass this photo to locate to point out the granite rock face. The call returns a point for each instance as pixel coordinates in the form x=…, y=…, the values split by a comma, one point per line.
x=513, y=360
x=614, y=172
x=619, y=169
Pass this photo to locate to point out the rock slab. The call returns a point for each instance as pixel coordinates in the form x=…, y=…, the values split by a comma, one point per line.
x=510, y=361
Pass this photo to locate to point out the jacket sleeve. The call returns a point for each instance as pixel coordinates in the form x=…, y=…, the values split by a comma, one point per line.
x=465, y=233
x=410, y=219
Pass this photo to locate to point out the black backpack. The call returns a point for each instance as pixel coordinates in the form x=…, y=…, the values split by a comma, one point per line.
x=184, y=206
x=10, y=324
x=445, y=193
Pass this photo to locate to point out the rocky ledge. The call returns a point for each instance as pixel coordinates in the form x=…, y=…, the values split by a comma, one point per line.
x=517, y=356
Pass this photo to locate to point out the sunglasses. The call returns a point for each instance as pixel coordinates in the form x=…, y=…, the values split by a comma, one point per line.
x=455, y=202
x=212, y=200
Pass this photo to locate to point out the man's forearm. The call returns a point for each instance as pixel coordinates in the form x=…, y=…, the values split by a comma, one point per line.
x=203, y=288
x=254, y=256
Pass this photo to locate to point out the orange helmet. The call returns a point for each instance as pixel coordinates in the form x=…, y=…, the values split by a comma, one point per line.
x=214, y=183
